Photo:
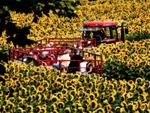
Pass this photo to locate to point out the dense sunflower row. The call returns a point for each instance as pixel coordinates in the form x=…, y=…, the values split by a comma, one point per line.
x=3, y=42
x=133, y=55
x=39, y=89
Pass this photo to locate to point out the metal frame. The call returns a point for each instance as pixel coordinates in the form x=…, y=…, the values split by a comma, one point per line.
x=97, y=64
x=71, y=41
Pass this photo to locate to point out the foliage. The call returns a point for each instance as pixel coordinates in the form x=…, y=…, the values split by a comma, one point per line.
x=117, y=70
x=137, y=36
x=124, y=60
x=32, y=89
x=34, y=10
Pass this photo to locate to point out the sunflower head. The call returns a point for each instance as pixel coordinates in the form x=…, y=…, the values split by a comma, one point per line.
x=26, y=79
x=40, y=88
x=54, y=99
x=143, y=107
x=29, y=108
x=6, y=77
x=100, y=110
x=20, y=110
x=139, y=81
x=130, y=95
x=91, y=96
x=67, y=110
x=60, y=105
x=93, y=104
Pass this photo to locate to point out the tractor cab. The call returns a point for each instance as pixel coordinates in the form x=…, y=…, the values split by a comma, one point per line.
x=103, y=32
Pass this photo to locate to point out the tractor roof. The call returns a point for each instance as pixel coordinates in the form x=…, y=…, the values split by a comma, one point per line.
x=99, y=24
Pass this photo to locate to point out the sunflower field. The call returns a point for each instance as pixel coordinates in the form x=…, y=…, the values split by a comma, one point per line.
x=40, y=89
x=124, y=87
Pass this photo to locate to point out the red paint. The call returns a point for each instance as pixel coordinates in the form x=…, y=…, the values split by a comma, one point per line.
x=99, y=24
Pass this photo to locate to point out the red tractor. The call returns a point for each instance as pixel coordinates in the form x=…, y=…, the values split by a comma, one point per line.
x=93, y=33
x=103, y=32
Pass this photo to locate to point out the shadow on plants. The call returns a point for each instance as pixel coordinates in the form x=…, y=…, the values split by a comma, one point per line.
x=137, y=36
x=2, y=71
x=118, y=70
x=18, y=35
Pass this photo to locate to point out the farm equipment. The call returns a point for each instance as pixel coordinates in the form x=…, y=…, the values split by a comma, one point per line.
x=103, y=32
x=93, y=33
x=36, y=55
x=47, y=50
x=70, y=42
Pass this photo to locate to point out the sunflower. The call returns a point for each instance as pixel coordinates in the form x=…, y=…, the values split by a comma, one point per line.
x=26, y=79
x=40, y=88
x=36, y=109
x=131, y=84
x=145, y=95
x=54, y=111
x=20, y=110
x=114, y=92
x=24, y=90
x=123, y=91
x=85, y=105
x=1, y=93
x=67, y=110
x=54, y=98
x=74, y=110
x=71, y=97
x=29, y=108
x=63, y=75
x=135, y=105
x=143, y=106
x=139, y=81
x=102, y=96
x=91, y=96
x=7, y=102
x=108, y=107
x=111, y=99
x=64, y=91
x=118, y=109
x=60, y=105
x=38, y=97
x=6, y=77
x=129, y=95
x=93, y=104
x=136, y=111
x=43, y=109
x=80, y=109
x=59, y=79
x=100, y=110
x=45, y=83
x=73, y=92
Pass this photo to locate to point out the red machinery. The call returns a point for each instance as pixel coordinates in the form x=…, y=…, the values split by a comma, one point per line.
x=70, y=42
x=51, y=56
x=94, y=33
x=103, y=32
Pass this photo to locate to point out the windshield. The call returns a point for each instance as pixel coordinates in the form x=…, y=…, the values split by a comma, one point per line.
x=104, y=32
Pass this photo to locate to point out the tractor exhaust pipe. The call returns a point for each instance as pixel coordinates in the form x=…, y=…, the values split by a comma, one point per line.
x=122, y=32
